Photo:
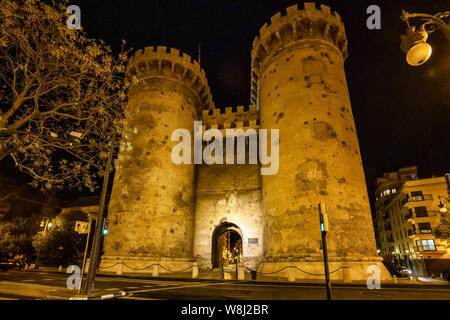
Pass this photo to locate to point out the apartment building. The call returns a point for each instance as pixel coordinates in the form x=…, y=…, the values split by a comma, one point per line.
x=407, y=211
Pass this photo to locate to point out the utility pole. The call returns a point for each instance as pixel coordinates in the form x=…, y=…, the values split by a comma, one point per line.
x=95, y=250
x=323, y=218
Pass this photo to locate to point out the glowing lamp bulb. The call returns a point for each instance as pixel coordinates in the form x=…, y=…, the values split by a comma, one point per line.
x=418, y=54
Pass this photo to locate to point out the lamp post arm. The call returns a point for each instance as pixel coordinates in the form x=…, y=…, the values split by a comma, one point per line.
x=441, y=24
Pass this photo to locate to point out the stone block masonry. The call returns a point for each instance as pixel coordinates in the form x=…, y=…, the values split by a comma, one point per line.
x=175, y=214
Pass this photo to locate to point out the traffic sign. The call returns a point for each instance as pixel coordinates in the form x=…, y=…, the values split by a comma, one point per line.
x=82, y=227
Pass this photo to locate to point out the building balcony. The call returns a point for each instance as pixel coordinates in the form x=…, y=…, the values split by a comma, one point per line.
x=429, y=216
x=431, y=249
x=413, y=233
x=412, y=200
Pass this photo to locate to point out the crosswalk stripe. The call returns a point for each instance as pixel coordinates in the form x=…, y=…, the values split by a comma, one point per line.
x=139, y=298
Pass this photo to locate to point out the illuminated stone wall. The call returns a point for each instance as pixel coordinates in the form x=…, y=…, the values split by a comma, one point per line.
x=151, y=211
x=167, y=212
x=230, y=192
x=299, y=83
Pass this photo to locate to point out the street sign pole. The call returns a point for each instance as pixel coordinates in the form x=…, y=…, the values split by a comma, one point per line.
x=85, y=255
x=324, y=229
x=95, y=249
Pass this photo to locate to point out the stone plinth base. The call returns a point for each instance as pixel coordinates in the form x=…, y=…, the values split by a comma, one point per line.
x=249, y=262
x=145, y=264
x=355, y=271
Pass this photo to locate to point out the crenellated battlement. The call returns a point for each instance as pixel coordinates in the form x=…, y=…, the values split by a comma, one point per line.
x=229, y=110
x=164, y=62
x=242, y=117
x=284, y=29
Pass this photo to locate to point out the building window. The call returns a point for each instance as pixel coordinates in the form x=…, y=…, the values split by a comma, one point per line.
x=421, y=211
x=428, y=245
x=425, y=227
x=416, y=196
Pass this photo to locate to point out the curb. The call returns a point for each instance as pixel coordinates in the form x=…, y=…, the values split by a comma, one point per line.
x=300, y=284
x=100, y=297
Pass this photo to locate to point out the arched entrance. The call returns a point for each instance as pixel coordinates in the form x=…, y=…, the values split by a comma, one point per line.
x=226, y=245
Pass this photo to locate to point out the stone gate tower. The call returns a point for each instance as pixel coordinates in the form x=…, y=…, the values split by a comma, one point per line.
x=299, y=85
x=173, y=215
x=151, y=211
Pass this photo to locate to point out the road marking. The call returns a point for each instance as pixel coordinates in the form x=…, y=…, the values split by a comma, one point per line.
x=139, y=298
x=49, y=279
x=27, y=280
x=116, y=289
x=175, y=287
x=336, y=287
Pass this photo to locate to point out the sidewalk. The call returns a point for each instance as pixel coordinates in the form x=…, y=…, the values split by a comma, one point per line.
x=39, y=291
x=214, y=275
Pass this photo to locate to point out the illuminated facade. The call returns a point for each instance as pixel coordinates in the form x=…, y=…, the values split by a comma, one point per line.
x=177, y=214
x=406, y=213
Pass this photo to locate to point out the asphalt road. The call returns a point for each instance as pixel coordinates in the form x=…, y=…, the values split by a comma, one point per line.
x=150, y=289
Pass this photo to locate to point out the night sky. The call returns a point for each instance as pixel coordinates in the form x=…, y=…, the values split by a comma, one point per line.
x=401, y=112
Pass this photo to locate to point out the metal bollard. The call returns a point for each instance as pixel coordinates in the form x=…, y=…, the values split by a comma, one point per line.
x=195, y=271
x=155, y=272
x=120, y=269
x=241, y=274
x=26, y=267
x=60, y=269
x=394, y=279
x=291, y=274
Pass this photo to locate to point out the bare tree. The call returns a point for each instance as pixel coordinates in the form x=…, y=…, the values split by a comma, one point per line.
x=61, y=95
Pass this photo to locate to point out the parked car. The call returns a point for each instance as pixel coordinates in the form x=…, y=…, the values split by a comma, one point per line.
x=404, y=272
x=6, y=264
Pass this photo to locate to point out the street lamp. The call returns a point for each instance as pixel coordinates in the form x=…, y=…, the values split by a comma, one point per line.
x=46, y=225
x=414, y=41
x=441, y=205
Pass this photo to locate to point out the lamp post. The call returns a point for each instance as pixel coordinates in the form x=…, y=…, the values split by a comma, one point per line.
x=414, y=41
x=323, y=219
x=441, y=205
